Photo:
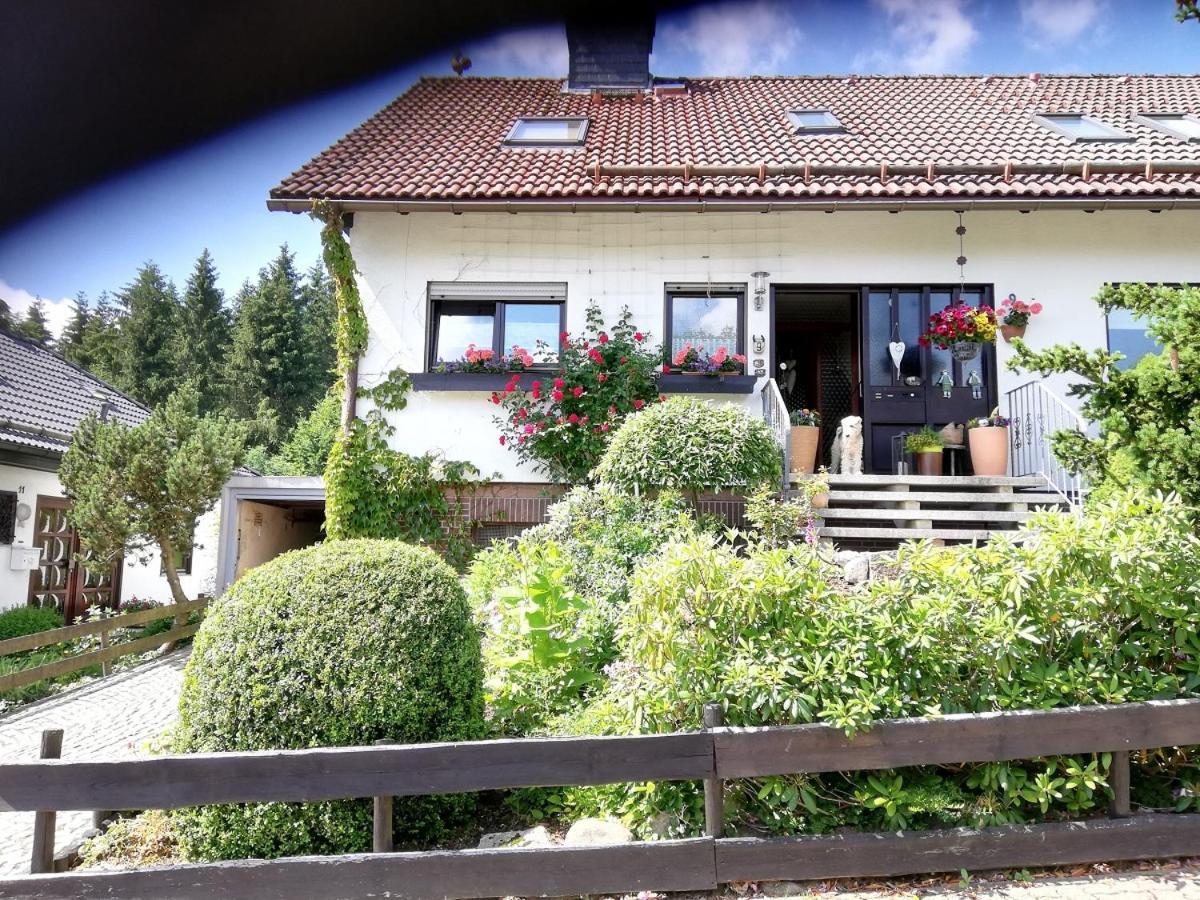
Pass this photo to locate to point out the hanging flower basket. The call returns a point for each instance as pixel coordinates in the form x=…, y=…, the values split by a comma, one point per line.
x=964, y=351
x=1015, y=315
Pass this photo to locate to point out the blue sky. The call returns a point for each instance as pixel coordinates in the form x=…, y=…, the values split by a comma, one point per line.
x=213, y=195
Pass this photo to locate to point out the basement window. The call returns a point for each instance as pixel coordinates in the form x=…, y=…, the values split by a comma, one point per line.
x=821, y=121
x=1079, y=127
x=1180, y=125
x=547, y=132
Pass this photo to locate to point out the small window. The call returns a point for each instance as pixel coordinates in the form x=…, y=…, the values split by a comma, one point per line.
x=546, y=131
x=706, y=322
x=808, y=120
x=8, y=517
x=1080, y=127
x=498, y=325
x=1127, y=334
x=1180, y=125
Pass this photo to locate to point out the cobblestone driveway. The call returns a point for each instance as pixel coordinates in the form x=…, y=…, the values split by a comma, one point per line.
x=110, y=718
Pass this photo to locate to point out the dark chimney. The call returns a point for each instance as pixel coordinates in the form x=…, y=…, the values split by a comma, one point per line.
x=609, y=55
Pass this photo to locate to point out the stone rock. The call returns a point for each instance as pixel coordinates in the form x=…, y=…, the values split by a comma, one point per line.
x=856, y=567
x=784, y=889
x=660, y=825
x=597, y=833
x=537, y=836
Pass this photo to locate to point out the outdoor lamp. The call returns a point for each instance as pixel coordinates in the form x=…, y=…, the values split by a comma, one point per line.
x=976, y=384
x=760, y=289
x=945, y=382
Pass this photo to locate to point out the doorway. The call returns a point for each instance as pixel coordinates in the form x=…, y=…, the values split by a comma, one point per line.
x=63, y=579
x=816, y=354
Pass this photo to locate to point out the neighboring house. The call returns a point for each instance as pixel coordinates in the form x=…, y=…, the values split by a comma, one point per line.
x=43, y=398
x=808, y=222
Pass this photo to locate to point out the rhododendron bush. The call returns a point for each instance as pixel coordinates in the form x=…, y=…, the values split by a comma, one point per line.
x=561, y=423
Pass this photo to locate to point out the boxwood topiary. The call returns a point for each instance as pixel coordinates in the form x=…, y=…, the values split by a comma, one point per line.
x=25, y=620
x=690, y=446
x=346, y=643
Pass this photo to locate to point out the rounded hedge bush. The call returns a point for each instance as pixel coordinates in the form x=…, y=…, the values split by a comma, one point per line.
x=692, y=446
x=25, y=620
x=346, y=643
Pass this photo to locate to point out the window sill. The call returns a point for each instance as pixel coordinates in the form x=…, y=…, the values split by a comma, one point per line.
x=704, y=384
x=474, y=381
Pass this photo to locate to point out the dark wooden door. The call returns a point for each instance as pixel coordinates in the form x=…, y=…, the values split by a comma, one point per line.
x=65, y=579
x=898, y=400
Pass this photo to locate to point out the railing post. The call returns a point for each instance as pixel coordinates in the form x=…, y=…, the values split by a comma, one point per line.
x=1118, y=782
x=381, y=815
x=714, y=788
x=44, y=820
x=105, y=665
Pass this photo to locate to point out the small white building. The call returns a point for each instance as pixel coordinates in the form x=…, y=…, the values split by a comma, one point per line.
x=43, y=398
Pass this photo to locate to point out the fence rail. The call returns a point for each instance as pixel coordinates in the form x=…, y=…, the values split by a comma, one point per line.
x=107, y=652
x=694, y=864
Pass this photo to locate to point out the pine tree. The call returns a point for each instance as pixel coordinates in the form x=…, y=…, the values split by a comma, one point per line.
x=33, y=324
x=101, y=345
x=320, y=320
x=6, y=319
x=268, y=358
x=70, y=342
x=203, y=337
x=147, y=336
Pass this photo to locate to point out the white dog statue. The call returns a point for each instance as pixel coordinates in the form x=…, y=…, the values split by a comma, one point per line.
x=846, y=456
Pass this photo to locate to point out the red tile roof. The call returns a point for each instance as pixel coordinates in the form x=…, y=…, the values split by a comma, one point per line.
x=443, y=140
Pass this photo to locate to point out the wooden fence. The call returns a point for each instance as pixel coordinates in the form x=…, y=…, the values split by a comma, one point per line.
x=107, y=652
x=694, y=864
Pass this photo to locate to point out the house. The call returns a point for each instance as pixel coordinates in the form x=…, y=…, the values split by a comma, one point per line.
x=43, y=398
x=807, y=222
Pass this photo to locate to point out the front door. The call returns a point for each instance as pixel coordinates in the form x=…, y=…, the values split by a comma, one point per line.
x=64, y=580
x=899, y=399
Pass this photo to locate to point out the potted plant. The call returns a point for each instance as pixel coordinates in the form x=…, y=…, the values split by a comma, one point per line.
x=687, y=360
x=961, y=329
x=988, y=440
x=1014, y=316
x=926, y=445
x=804, y=440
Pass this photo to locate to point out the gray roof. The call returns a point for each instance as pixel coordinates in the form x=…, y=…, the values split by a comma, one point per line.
x=43, y=397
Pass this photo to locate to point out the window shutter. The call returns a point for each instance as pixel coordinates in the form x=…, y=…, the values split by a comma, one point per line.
x=498, y=290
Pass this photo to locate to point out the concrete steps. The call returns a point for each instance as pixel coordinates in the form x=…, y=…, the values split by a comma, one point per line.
x=884, y=510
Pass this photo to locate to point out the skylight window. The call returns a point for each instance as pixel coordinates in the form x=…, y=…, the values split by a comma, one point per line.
x=1180, y=125
x=814, y=120
x=1080, y=127
x=543, y=132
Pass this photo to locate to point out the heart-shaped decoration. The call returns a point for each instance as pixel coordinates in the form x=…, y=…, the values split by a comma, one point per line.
x=896, y=349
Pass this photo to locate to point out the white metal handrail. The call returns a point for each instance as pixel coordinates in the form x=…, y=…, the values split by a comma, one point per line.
x=1036, y=413
x=775, y=412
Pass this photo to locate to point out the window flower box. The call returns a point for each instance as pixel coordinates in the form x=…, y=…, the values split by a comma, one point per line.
x=697, y=383
x=473, y=381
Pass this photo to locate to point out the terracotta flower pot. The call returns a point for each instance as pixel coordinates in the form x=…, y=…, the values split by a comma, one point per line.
x=1012, y=331
x=804, y=441
x=989, y=450
x=820, y=501
x=929, y=463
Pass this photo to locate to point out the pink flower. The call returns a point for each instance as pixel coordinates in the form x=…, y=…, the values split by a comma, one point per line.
x=595, y=356
x=559, y=383
x=603, y=338
x=577, y=391
x=1035, y=308
x=503, y=440
x=604, y=427
x=495, y=398
x=666, y=369
x=639, y=403
x=602, y=378
x=556, y=396
x=520, y=439
x=638, y=336
x=662, y=398
x=537, y=395
x=739, y=358
x=720, y=356
x=529, y=428
x=573, y=418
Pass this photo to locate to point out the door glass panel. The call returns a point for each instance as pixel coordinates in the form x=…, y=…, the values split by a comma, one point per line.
x=879, y=361
x=912, y=323
x=939, y=360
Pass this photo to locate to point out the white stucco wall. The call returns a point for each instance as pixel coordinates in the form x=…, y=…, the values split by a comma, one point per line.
x=1058, y=257
x=139, y=579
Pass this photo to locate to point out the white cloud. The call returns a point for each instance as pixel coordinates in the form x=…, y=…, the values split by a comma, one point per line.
x=756, y=38
x=529, y=51
x=1052, y=22
x=928, y=37
x=58, y=312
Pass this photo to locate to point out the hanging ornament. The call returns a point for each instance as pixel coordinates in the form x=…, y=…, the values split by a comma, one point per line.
x=896, y=349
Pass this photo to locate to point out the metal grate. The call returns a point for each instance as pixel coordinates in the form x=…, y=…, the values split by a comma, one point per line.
x=8, y=517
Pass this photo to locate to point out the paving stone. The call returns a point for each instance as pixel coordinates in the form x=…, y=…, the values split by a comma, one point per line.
x=109, y=718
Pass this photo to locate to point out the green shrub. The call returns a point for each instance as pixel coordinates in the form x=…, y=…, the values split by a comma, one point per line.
x=551, y=601
x=1095, y=609
x=341, y=644
x=25, y=620
x=690, y=446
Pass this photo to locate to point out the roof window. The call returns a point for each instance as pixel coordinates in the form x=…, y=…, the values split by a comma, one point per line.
x=1181, y=125
x=545, y=132
x=815, y=120
x=1079, y=127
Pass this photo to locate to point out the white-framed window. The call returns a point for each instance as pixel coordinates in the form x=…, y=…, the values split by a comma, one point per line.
x=807, y=121
x=547, y=131
x=1180, y=125
x=1080, y=127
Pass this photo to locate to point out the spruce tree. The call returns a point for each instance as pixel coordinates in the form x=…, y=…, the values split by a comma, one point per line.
x=101, y=345
x=268, y=359
x=6, y=319
x=202, y=340
x=33, y=324
x=320, y=320
x=70, y=343
x=148, y=336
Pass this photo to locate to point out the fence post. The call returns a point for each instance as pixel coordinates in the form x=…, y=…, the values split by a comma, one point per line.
x=1118, y=781
x=105, y=666
x=714, y=788
x=381, y=815
x=44, y=820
